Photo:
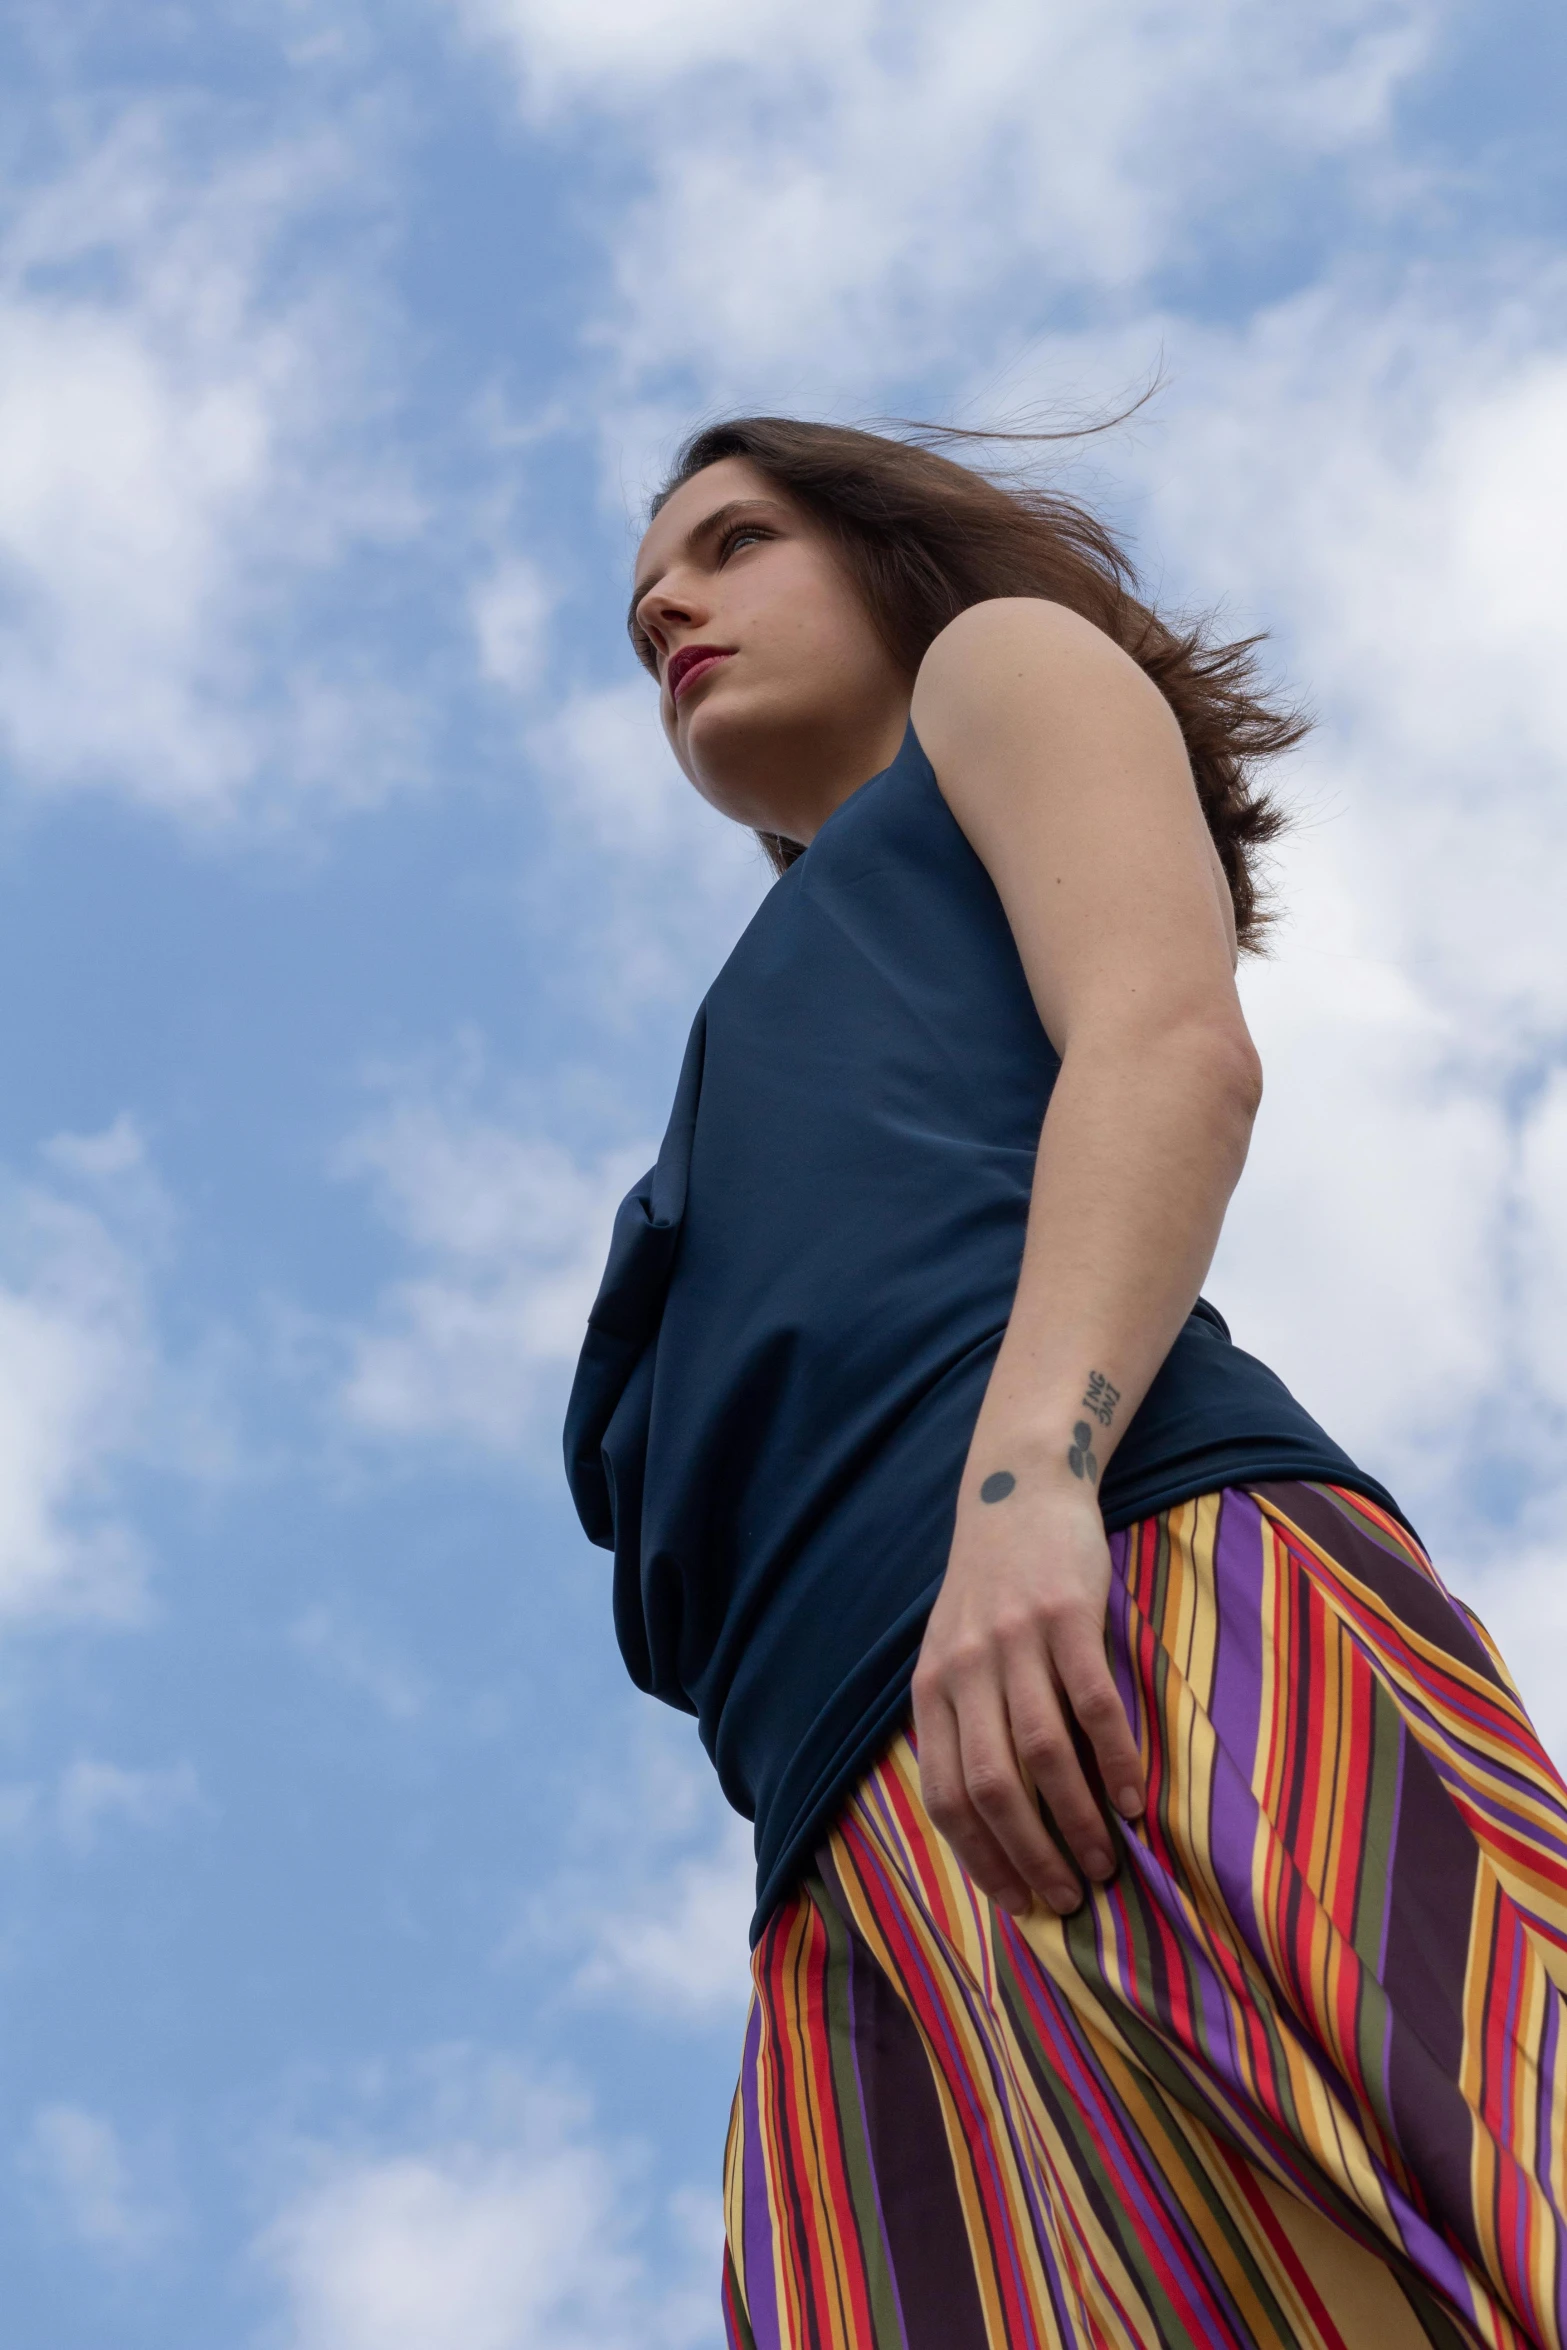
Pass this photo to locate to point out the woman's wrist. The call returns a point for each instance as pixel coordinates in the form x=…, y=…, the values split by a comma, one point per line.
x=1049, y=1434
x=1065, y=1461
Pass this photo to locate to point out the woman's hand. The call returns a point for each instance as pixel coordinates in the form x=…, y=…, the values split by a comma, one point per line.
x=1015, y=1653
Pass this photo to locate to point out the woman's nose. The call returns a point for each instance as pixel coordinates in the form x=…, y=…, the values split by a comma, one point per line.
x=670, y=604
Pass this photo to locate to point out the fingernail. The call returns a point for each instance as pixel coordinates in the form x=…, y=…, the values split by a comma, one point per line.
x=1129, y=1802
x=1062, y=1901
x=1099, y=1863
x=1015, y=1902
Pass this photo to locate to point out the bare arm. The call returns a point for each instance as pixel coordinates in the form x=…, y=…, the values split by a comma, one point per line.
x=1066, y=770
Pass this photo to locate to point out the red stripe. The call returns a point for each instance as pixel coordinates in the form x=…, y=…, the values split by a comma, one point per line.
x=932, y=2014
x=1273, y=2228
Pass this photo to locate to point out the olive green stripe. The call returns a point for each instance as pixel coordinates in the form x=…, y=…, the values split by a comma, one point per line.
x=853, y=2128
x=1180, y=2155
x=736, y=2303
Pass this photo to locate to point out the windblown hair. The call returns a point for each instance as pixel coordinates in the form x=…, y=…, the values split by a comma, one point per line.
x=924, y=537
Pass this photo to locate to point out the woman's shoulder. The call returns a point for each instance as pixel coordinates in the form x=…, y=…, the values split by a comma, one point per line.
x=1010, y=620
x=1020, y=660
x=1065, y=768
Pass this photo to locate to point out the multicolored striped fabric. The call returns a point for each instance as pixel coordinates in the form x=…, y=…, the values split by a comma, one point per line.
x=1296, y=2076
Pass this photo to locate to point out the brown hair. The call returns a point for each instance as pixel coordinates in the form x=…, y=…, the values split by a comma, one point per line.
x=924, y=537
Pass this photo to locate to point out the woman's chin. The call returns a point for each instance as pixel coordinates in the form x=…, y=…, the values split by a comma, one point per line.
x=745, y=750
x=723, y=759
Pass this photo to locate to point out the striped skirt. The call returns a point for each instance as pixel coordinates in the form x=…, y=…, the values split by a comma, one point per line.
x=1296, y=2076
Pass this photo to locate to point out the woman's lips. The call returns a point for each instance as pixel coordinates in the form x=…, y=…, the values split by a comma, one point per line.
x=692, y=662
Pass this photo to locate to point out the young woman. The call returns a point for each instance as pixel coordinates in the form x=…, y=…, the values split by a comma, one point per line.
x=1162, y=1908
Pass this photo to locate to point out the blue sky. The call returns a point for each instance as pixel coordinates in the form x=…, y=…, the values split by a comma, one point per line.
x=374, y=1957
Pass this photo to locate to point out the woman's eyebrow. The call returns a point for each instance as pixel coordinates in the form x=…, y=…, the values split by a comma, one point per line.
x=697, y=537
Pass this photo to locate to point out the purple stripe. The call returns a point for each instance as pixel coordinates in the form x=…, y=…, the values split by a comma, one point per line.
x=1236, y=1706
x=1431, y=2254
x=1515, y=2255
x=1236, y=1709
x=1550, y=2057
x=1119, y=1616
x=756, y=2218
x=1544, y=2085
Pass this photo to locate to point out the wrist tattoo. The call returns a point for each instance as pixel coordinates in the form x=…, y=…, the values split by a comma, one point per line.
x=1101, y=1398
x=997, y=1485
x=1079, y=1459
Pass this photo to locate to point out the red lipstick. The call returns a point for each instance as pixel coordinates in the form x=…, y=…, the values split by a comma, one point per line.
x=691, y=662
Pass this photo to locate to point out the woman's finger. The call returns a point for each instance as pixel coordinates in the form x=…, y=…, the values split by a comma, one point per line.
x=996, y=1788
x=946, y=1799
x=1043, y=1739
x=1077, y=1652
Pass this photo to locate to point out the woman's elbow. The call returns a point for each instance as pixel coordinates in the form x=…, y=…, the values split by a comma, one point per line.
x=1244, y=1064
x=1212, y=1061
x=1232, y=1073
x=1202, y=1061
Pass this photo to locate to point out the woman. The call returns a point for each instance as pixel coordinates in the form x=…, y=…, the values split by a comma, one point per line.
x=1162, y=1895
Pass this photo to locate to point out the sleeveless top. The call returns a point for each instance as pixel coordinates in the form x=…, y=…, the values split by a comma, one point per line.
x=803, y=1301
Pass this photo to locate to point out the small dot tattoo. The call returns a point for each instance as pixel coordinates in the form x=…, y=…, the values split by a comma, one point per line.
x=1079, y=1459
x=997, y=1485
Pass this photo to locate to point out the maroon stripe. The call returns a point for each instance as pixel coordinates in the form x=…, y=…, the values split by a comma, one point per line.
x=927, y=2242
x=1405, y=1590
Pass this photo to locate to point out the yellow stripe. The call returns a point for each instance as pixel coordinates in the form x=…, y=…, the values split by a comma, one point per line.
x=734, y=2188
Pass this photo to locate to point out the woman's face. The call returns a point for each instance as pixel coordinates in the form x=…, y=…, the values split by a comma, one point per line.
x=776, y=692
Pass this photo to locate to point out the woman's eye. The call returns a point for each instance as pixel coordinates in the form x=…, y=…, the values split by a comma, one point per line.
x=737, y=538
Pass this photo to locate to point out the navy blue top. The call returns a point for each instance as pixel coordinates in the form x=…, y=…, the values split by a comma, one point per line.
x=803, y=1302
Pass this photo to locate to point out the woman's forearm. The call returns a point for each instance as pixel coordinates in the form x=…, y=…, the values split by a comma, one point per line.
x=1144, y=1142
x=1145, y=1137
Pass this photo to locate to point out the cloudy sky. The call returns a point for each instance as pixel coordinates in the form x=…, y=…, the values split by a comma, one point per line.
x=373, y=1957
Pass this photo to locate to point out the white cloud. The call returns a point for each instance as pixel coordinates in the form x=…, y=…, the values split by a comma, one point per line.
x=674, y=1943
x=173, y=471
x=846, y=197
x=654, y=1919
x=618, y=50
x=338, y=1647
x=624, y=787
x=79, y=1368
x=510, y=608
x=116, y=2205
x=93, y=1793
x=88, y=1386
x=1519, y=1593
x=1362, y=1254
x=501, y=2225
x=19, y=1809
x=1539, y=1262
x=90, y=1795
x=1402, y=513
x=672, y=882
x=510, y=1231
